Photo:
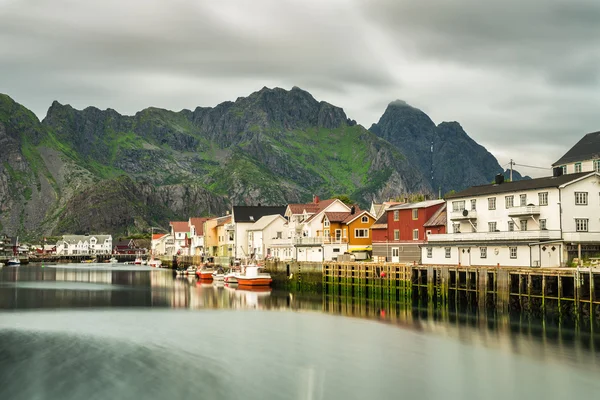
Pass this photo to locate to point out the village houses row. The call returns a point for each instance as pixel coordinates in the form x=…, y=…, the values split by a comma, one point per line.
x=541, y=222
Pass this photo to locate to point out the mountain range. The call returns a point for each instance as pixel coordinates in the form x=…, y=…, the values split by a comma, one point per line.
x=94, y=170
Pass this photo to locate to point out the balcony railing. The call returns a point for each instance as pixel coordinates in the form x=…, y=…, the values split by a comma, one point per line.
x=495, y=236
x=463, y=215
x=581, y=237
x=229, y=227
x=307, y=241
x=523, y=210
x=281, y=242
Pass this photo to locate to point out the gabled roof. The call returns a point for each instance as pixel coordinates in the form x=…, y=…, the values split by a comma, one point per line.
x=157, y=236
x=519, y=186
x=336, y=216
x=265, y=221
x=254, y=213
x=358, y=213
x=438, y=218
x=381, y=222
x=124, y=243
x=180, y=226
x=310, y=208
x=198, y=223
x=223, y=220
x=420, y=204
x=588, y=148
x=74, y=239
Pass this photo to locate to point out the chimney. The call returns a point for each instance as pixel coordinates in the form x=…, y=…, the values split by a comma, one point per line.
x=406, y=199
x=259, y=204
x=353, y=210
x=315, y=199
x=499, y=179
x=227, y=212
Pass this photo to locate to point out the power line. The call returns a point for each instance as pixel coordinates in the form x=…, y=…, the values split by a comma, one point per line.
x=531, y=166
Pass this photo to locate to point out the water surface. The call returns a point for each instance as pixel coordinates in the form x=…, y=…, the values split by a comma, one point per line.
x=126, y=332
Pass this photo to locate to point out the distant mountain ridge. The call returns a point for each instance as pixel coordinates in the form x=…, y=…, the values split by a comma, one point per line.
x=444, y=153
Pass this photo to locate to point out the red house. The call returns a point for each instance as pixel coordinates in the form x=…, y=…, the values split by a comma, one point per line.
x=398, y=233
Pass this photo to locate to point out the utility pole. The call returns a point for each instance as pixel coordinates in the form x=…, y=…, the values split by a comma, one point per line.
x=511, y=168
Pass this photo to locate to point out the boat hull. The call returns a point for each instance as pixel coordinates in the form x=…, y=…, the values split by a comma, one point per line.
x=206, y=275
x=259, y=281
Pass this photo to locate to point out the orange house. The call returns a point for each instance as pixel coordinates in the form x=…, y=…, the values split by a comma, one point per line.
x=352, y=229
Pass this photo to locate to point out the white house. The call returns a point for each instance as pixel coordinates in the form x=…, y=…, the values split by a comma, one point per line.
x=263, y=234
x=535, y=222
x=309, y=238
x=583, y=157
x=84, y=245
x=243, y=219
x=180, y=231
x=196, y=229
x=162, y=244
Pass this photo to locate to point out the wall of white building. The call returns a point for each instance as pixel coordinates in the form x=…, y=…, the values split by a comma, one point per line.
x=591, y=211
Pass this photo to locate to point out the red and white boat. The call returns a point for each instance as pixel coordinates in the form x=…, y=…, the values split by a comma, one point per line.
x=205, y=273
x=252, y=277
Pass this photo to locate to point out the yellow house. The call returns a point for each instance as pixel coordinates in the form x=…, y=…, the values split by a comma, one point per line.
x=352, y=228
x=211, y=242
x=225, y=237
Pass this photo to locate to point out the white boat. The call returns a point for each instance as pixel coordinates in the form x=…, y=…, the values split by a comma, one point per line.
x=114, y=260
x=231, y=277
x=155, y=263
x=138, y=261
x=191, y=270
x=252, y=277
x=14, y=262
x=219, y=275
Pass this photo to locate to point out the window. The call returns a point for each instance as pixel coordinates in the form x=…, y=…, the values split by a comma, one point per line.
x=523, y=198
x=359, y=233
x=396, y=215
x=473, y=205
x=597, y=165
x=326, y=223
x=429, y=252
x=564, y=169
x=577, y=167
x=581, y=224
x=279, y=235
x=473, y=226
x=543, y=198
x=396, y=234
x=415, y=234
x=395, y=252
x=483, y=252
x=326, y=233
x=447, y=251
x=458, y=205
x=513, y=252
x=492, y=226
x=338, y=233
x=456, y=227
x=364, y=219
x=509, y=201
x=415, y=213
x=491, y=203
x=542, y=224
x=581, y=198
x=511, y=226
x=523, y=224
x=336, y=250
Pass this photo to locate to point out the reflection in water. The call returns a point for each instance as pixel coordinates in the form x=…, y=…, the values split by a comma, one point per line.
x=422, y=350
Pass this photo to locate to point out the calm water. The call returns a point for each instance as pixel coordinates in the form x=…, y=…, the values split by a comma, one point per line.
x=126, y=332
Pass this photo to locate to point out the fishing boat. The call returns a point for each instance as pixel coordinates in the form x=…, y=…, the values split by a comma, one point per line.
x=231, y=277
x=138, y=261
x=156, y=263
x=113, y=260
x=252, y=277
x=219, y=274
x=191, y=270
x=15, y=262
x=205, y=273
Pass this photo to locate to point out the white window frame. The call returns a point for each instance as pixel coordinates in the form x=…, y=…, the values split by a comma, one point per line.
x=365, y=231
x=415, y=237
x=523, y=225
x=415, y=214
x=513, y=252
x=447, y=252
x=597, y=165
x=543, y=198
x=491, y=203
x=429, y=252
x=542, y=225
x=326, y=223
x=509, y=201
x=456, y=227
x=458, y=205
x=473, y=204
x=494, y=224
x=483, y=252
x=582, y=224
x=581, y=198
x=396, y=215
x=364, y=219
x=511, y=226
x=396, y=234
x=577, y=167
x=523, y=200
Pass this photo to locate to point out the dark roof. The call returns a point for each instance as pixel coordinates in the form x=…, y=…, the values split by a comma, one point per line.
x=381, y=223
x=124, y=243
x=438, y=218
x=254, y=213
x=588, y=148
x=530, y=184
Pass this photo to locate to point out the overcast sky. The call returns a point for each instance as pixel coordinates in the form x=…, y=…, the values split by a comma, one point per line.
x=522, y=77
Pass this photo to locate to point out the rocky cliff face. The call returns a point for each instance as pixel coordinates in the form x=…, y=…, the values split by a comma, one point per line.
x=444, y=153
x=95, y=170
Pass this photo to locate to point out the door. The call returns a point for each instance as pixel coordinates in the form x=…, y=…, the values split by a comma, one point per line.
x=395, y=254
x=464, y=256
